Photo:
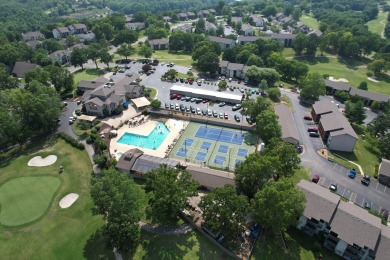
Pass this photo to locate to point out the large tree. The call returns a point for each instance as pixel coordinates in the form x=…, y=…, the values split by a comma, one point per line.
x=278, y=205
x=93, y=52
x=267, y=126
x=256, y=74
x=254, y=107
x=355, y=112
x=60, y=77
x=254, y=172
x=106, y=57
x=169, y=190
x=384, y=146
x=117, y=198
x=125, y=36
x=145, y=51
x=224, y=210
x=379, y=125
x=78, y=57
x=312, y=87
x=125, y=50
x=208, y=62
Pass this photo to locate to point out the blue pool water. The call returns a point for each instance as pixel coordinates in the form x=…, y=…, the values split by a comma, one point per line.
x=152, y=141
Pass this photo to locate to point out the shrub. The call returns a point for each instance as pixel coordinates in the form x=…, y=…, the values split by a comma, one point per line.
x=93, y=131
x=71, y=141
x=274, y=93
x=325, y=76
x=376, y=105
x=155, y=103
x=100, y=160
x=369, y=74
x=89, y=140
x=342, y=95
x=78, y=112
x=83, y=125
x=316, y=246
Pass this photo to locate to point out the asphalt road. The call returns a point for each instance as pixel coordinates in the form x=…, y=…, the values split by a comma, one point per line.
x=330, y=172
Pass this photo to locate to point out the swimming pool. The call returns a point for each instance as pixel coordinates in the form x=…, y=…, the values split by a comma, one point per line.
x=152, y=141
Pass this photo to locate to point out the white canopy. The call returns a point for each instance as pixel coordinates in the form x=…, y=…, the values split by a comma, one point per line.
x=87, y=118
x=141, y=102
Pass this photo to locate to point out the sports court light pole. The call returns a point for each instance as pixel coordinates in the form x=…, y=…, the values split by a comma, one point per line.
x=185, y=149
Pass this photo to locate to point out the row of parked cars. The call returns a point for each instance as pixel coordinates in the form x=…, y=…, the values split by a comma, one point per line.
x=198, y=111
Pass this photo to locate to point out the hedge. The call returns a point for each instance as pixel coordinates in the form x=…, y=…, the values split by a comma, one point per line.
x=72, y=141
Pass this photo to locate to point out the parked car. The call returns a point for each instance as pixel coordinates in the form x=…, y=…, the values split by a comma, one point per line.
x=166, y=105
x=242, y=90
x=188, y=109
x=230, y=79
x=209, y=113
x=204, y=112
x=222, y=104
x=198, y=111
x=366, y=179
x=192, y=109
x=307, y=118
x=205, y=100
x=182, y=108
x=226, y=116
x=172, y=106
x=315, y=178
x=299, y=149
x=367, y=205
x=198, y=100
x=236, y=107
x=249, y=120
x=312, y=129
x=121, y=70
x=237, y=118
x=333, y=187
x=215, y=114
x=193, y=99
x=352, y=173
x=384, y=213
x=177, y=107
x=314, y=134
x=183, y=98
x=220, y=115
x=199, y=83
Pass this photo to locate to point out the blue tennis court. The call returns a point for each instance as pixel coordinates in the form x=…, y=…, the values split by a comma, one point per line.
x=223, y=148
x=205, y=145
x=242, y=152
x=200, y=156
x=188, y=142
x=181, y=152
x=219, y=159
x=221, y=135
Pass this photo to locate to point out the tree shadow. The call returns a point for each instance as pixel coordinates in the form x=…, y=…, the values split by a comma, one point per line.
x=353, y=63
x=383, y=77
x=312, y=60
x=207, y=250
x=166, y=246
x=96, y=248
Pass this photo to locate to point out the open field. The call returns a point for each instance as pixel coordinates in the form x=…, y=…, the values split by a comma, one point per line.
x=353, y=70
x=59, y=233
x=310, y=21
x=376, y=26
x=86, y=74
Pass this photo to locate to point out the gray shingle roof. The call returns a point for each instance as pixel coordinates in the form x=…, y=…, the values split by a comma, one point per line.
x=220, y=39
x=21, y=67
x=369, y=95
x=96, y=101
x=283, y=36
x=246, y=26
x=286, y=121
x=145, y=163
x=235, y=66
x=223, y=63
x=323, y=107
x=383, y=250
x=337, y=85
x=103, y=91
x=337, y=124
x=355, y=225
x=79, y=26
x=158, y=41
x=63, y=29
x=384, y=167
x=210, y=178
x=90, y=84
x=248, y=38
x=209, y=26
x=320, y=202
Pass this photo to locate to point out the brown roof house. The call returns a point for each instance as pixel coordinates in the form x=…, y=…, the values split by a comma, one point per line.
x=30, y=36
x=320, y=207
x=384, y=172
x=210, y=179
x=286, y=121
x=21, y=67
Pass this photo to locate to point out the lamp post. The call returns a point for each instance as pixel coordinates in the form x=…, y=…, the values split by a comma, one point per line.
x=185, y=149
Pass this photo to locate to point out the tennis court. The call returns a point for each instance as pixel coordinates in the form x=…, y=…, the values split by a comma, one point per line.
x=220, y=147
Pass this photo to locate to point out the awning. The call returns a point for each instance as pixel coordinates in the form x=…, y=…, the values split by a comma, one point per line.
x=141, y=102
x=126, y=104
x=87, y=118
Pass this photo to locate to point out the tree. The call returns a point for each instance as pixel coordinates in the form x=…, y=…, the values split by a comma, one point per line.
x=7, y=81
x=106, y=57
x=125, y=50
x=296, y=14
x=379, y=125
x=355, y=112
x=155, y=103
x=254, y=172
x=78, y=57
x=384, y=146
x=222, y=84
x=93, y=52
x=169, y=190
x=267, y=126
x=103, y=31
x=363, y=85
x=378, y=66
x=117, y=198
x=299, y=43
x=224, y=210
x=278, y=205
x=145, y=51
x=274, y=93
x=125, y=36
x=312, y=44
x=312, y=87
x=256, y=74
x=254, y=107
x=243, y=56
x=209, y=62
x=263, y=86
x=37, y=74
x=200, y=26
x=60, y=77
x=255, y=60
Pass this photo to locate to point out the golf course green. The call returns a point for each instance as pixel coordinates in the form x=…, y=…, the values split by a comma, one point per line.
x=25, y=199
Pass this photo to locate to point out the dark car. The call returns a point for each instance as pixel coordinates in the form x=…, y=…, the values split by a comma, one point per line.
x=299, y=149
x=315, y=178
x=366, y=180
x=237, y=118
x=204, y=112
x=312, y=129
x=182, y=108
x=249, y=120
x=314, y=134
x=307, y=118
x=198, y=101
x=367, y=205
x=192, y=110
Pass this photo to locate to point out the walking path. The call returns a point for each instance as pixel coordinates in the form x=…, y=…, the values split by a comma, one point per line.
x=165, y=230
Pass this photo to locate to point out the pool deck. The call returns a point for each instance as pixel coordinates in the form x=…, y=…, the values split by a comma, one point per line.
x=174, y=126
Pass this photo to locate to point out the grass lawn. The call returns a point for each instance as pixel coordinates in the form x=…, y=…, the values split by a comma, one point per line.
x=310, y=21
x=288, y=52
x=59, y=233
x=153, y=92
x=376, y=26
x=348, y=69
x=299, y=243
x=86, y=74
x=301, y=173
x=25, y=199
x=179, y=58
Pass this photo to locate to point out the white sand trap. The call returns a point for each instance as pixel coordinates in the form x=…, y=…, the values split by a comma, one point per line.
x=68, y=200
x=373, y=79
x=38, y=161
x=338, y=80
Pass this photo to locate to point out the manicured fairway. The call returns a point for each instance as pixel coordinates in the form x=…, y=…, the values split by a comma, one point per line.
x=26, y=199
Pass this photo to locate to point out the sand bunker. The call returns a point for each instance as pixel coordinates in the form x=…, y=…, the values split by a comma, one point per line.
x=38, y=161
x=373, y=79
x=338, y=80
x=68, y=200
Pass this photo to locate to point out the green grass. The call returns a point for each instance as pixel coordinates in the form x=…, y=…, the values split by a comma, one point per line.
x=301, y=174
x=59, y=233
x=375, y=26
x=179, y=58
x=288, y=52
x=153, y=92
x=25, y=199
x=310, y=21
x=300, y=246
x=348, y=69
x=230, y=157
x=86, y=74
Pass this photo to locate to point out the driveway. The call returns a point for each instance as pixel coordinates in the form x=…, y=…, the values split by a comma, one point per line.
x=331, y=172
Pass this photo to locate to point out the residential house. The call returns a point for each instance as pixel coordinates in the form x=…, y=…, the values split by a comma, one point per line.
x=236, y=19
x=33, y=44
x=61, y=32
x=166, y=19
x=301, y=27
x=30, y=36
x=286, y=121
x=77, y=46
x=183, y=16
x=184, y=28
x=128, y=18
x=135, y=26
x=247, y=30
x=78, y=28
x=21, y=67
x=279, y=16
x=210, y=26
x=384, y=172
x=89, y=85
x=334, y=127
x=354, y=232
x=235, y=70
x=203, y=13
x=223, y=67
x=223, y=42
x=159, y=44
x=285, y=39
x=320, y=208
x=382, y=250
x=247, y=39
x=212, y=11
x=191, y=15
x=61, y=56
x=258, y=20
x=333, y=86
x=210, y=179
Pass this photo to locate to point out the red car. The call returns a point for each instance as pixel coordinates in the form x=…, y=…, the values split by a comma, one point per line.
x=315, y=178
x=205, y=100
x=312, y=129
x=307, y=118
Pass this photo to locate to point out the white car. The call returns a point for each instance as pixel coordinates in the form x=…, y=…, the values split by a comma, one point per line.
x=230, y=79
x=177, y=107
x=209, y=113
x=198, y=111
x=220, y=115
x=162, y=63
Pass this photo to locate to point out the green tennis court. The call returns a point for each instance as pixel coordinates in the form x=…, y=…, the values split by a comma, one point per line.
x=215, y=146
